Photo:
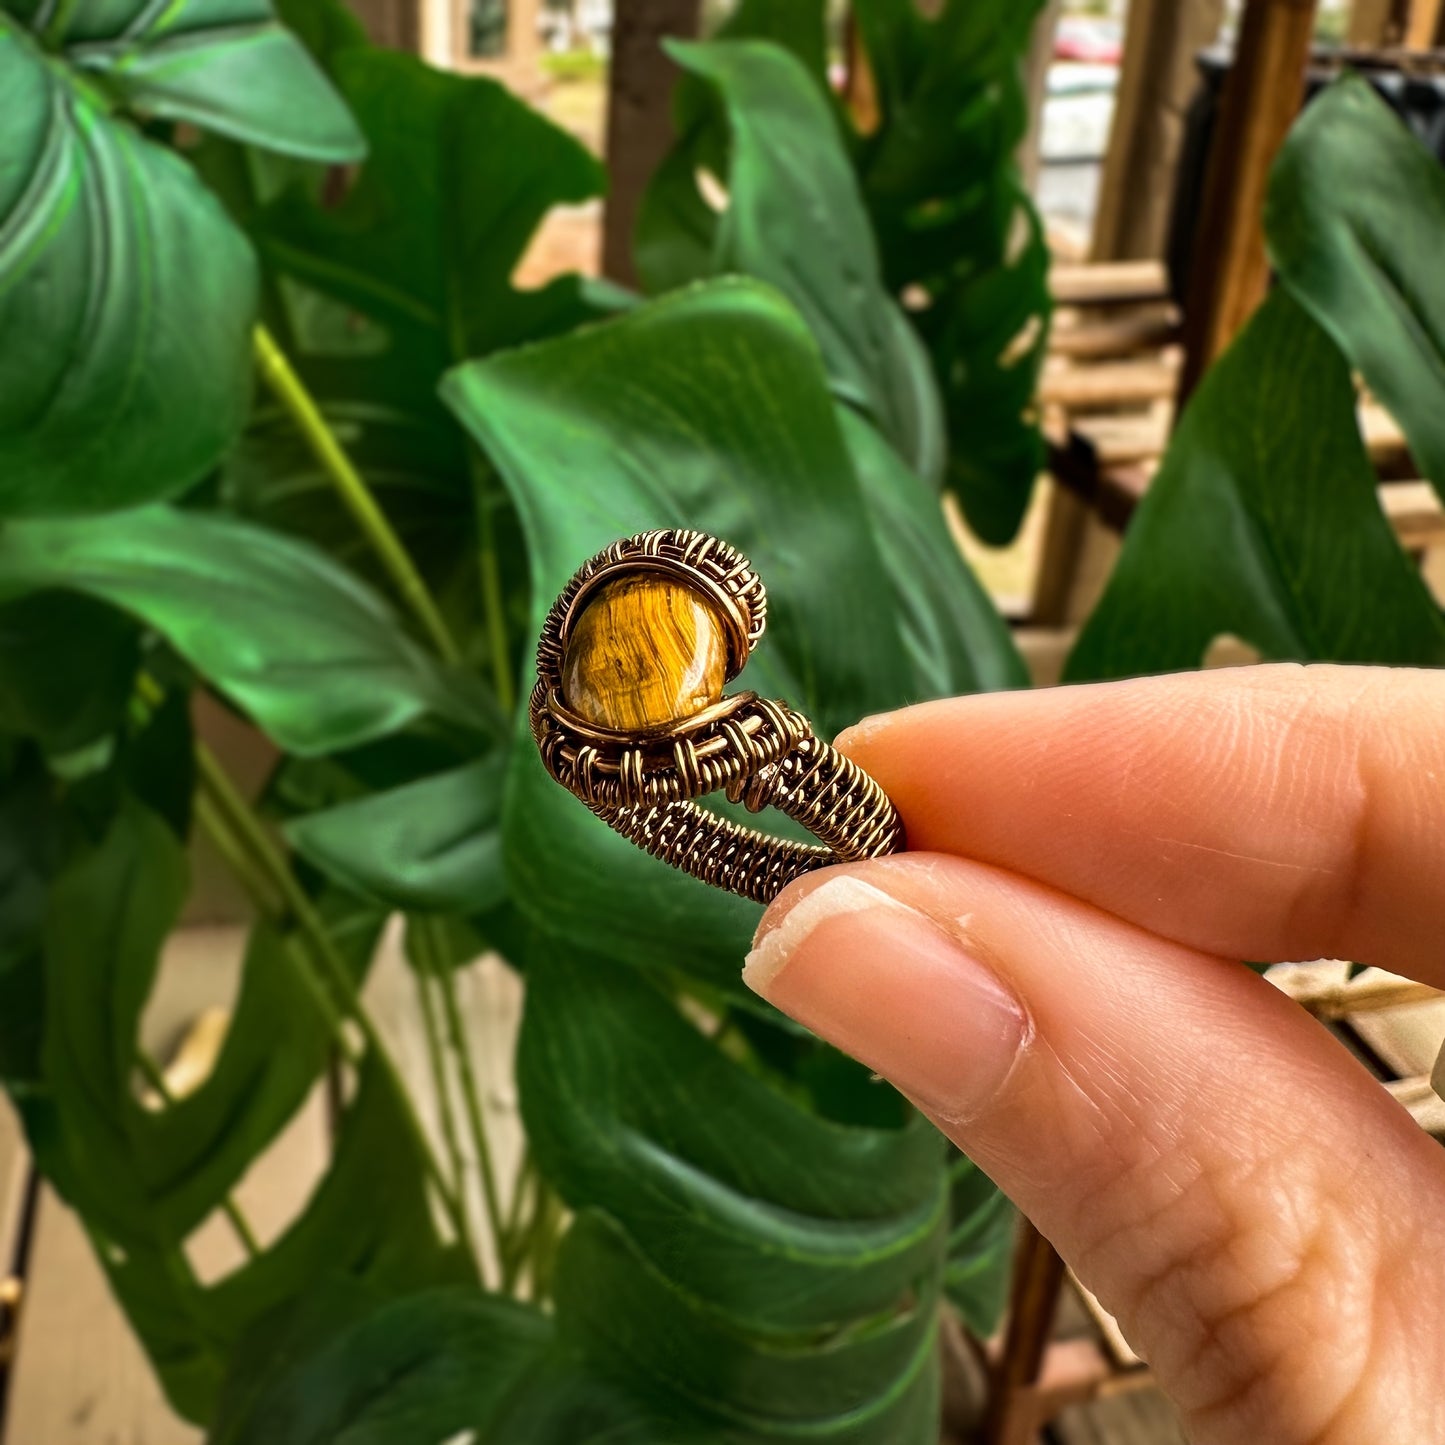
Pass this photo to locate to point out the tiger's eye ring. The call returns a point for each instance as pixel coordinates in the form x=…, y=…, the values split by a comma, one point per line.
x=630, y=715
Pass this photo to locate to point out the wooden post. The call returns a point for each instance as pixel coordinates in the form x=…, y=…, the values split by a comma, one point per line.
x=1423, y=32
x=639, y=115
x=1065, y=528
x=1376, y=24
x=524, y=41
x=1036, y=87
x=1262, y=96
x=1034, y=1298
x=395, y=23
x=1156, y=82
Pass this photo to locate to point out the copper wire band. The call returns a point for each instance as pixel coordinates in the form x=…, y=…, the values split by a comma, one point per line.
x=759, y=752
x=828, y=794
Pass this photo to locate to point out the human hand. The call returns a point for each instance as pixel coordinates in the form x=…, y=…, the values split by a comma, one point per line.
x=1049, y=974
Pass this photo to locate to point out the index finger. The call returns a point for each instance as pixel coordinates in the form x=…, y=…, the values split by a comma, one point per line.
x=1270, y=813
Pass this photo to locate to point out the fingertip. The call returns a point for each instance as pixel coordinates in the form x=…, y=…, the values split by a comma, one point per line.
x=781, y=906
x=855, y=741
x=832, y=892
x=851, y=958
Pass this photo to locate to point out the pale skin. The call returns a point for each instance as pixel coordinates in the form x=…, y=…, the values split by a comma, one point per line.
x=1051, y=973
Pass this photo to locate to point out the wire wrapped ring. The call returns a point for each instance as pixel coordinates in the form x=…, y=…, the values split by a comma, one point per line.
x=643, y=779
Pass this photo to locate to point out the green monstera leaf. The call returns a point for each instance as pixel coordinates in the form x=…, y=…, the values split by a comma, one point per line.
x=1263, y=523
x=720, y=1210
x=953, y=231
x=312, y=654
x=958, y=232
x=134, y=296
x=795, y=219
x=712, y=1256
x=133, y=293
x=751, y=1272
x=460, y=173
x=231, y=68
x=710, y=1381
x=1356, y=207
x=676, y=237
x=143, y=1175
x=429, y=846
x=430, y=1366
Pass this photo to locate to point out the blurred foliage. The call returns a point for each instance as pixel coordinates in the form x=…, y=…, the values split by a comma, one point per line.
x=937, y=115
x=723, y=1233
x=1353, y=206
x=111, y=248
x=573, y=66
x=1263, y=521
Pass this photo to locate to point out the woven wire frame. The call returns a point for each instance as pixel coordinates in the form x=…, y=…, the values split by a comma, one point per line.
x=759, y=752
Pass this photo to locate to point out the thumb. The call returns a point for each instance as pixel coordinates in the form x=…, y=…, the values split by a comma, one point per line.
x=1254, y=1209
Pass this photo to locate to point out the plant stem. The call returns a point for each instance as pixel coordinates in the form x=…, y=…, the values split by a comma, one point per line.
x=525, y=1169
x=489, y=573
x=54, y=33
x=519, y=1252
x=268, y=902
x=258, y=889
x=492, y=602
x=237, y=850
x=543, y=1240
x=425, y=974
x=472, y=1099
x=519, y=1232
x=291, y=392
x=156, y=1078
x=242, y=831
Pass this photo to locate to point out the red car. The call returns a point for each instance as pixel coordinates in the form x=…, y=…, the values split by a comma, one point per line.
x=1095, y=42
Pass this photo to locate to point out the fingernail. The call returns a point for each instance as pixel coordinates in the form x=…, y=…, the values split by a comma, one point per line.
x=895, y=989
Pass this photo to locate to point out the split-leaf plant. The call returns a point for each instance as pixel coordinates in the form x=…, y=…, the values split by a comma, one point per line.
x=928, y=160
x=723, y=1230
x=278, y=425
x=1263, y=522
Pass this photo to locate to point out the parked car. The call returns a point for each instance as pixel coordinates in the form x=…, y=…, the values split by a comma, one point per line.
x=1098, y=41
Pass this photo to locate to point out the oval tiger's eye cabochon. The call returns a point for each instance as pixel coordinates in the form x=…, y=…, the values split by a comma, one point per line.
x=646, y=651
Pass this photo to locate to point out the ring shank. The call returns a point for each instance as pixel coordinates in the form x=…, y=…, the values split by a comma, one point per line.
x=814, y=784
